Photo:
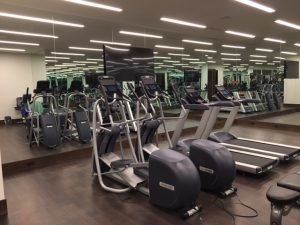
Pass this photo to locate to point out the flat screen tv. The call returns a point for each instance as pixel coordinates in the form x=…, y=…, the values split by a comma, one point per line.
x=128, y=63
x=291, y=69
x=191, y=75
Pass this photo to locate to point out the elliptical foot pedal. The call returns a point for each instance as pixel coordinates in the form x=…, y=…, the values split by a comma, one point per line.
x=121, y=164
x=188, y=213
x=228, y=192
x=142, y=172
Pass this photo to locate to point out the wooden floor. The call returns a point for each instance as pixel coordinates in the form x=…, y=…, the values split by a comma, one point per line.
x=66, y=194
x=289, y=119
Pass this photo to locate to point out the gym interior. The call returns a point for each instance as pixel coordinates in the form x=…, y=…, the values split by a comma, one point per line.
x=149, y=112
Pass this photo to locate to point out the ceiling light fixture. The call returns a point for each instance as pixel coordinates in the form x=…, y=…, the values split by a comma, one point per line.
x=289, y=53
x=233, y=46
x=161, y=57
x=258, y=63
x=231, y=54
x=197, y=62
x=275, y=40
x=231, y=59
x=181, y=22
x=96, y=5
x=197, y=42
x=180, y=64
x=67, y=53
x=257, y=60
x=258, y=56
x=190, y=59
x=118, y=49
x=240, y=34
x=42, y=20
x=85, y=62
x=257, y=5
x=281, y=58
x=264, y=50
x=171, y=61
x=50, y=60
x=288, y=24
x=110, y=42
x=56, y=57
x=12, y=49
x=98, y=60
x=27, y=34
x=87, y=49
x=271, y=64
x=177, y=54
x=211, y=61
x=140, y=34
x=18, y=43
x=169, y=47
x=297, y=44
x=205, y=50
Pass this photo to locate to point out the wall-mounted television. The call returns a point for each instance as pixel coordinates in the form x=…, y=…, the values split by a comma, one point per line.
x=128, y=63
x=291, y=69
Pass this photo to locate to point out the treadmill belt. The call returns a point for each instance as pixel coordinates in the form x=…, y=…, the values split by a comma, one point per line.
x=267, y=147
x=252, y=160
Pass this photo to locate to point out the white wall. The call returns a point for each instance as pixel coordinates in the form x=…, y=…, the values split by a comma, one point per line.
x=17, y=72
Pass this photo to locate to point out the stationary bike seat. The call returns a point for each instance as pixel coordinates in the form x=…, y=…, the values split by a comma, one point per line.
x=291, y=181
x=282, y=196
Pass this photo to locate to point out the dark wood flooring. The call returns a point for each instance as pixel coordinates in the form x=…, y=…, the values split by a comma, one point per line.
x=66, y=194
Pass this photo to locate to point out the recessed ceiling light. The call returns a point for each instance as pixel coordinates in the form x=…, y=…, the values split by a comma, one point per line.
x=96, y=5
x=231, y=59
x=167, y=66
x=177, y=54
x=118, y=49
x=258, y=63
x=240, y=34
x=196, y=62
x=276, y=61
x=289, y=53
x=157, y=63
x=226, y=64
x=157, y=67
x=12, y=49
x=275, y=40
x=288, y=24
x=85, y=62
x=297, y=44
x=140, y=34
x=257, y=5
x=110, y=42
x=264, y=50
x=155, y=53
x=197, y=42
x=281, y=58
x=98, y=60
x=67, y=53
x=19, y=43
x=42, y=20
x=87, y=49
x=257, y=60
x=211, y=61
x=169, y=47
x=190, y=59
x=27, y=34
x=181, y=22
x=233, y=46
x=205, y=50
x=209, y=57
x=258, y=56
x=56, y=57
x=161, y=57
x=231, y=54
x=171, y=61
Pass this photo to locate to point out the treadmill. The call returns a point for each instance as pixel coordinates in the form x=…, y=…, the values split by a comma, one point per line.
x=282, y=151
x=249, y=162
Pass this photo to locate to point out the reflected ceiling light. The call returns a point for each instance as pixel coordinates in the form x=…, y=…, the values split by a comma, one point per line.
x=169, y=47
x=205, y=50
x=18, y=43
x=231, y=59
x=257, y=60
x=281, y=58
x=297, y=44
x=98, y=60
x=42, y=20
x=161, y=57
x=181, y=22
x=50, y=60
x=110, y=42
x=171, y=61
x=67, y=53
x=289, y=53
x=87, y=49
x=190, y=59
x=231, y=54
x=240, y=34
x=177, y=54
x=85, y=62
x=27, y=34
x=288, y=24
x=258, y=56
x=264, y=50
x=118, y=49
x=275, y=40
x=56, y=57
x=233, y=46
x=197, y=42
x=257, y=5
x=12, y=49
x=140, y=34
x=96, y=5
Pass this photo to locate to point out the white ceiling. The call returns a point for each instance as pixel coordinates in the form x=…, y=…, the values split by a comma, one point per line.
x=144, y=16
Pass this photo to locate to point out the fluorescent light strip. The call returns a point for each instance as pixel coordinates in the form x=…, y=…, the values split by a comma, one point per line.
x=190, y=59
x=288, y=24
x=276, y=61
x=181, y=22
x=281, y=58
x=175, y=54
x=171, y=61
x=50, y=60
x=87, y=49
x=157, y=63
x=258, y=63
x=140, y=34
x=96, y=5
x=197, y=62
x=297, y=44
x=230, y=54
x=240, y=34
x=98, y=60
x=54, y=57
x=155, y=53
x=67, y=53
x=197, y=42
x=167, y=66
x=27, y=34
x=18, y=43
x=233, y=46
x=12, y=49
x=118, y=49
x=258, y=56
x=226, y=64
x=257, y=60
x=271, y=64
x=180, y=64
x=42, y=20
x=110, y=42
x=211, y=61
x=169, y=47
x=275, y=40
x=289, y=53
x=257, y=5
x=244, y=64
x=205, y=50
x=230, y=59
x=209, y=57
x=161, y=57
x=264, y=50
x=85, y=62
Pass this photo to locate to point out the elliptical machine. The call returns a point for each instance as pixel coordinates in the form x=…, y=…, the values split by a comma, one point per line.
x=171, y=180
